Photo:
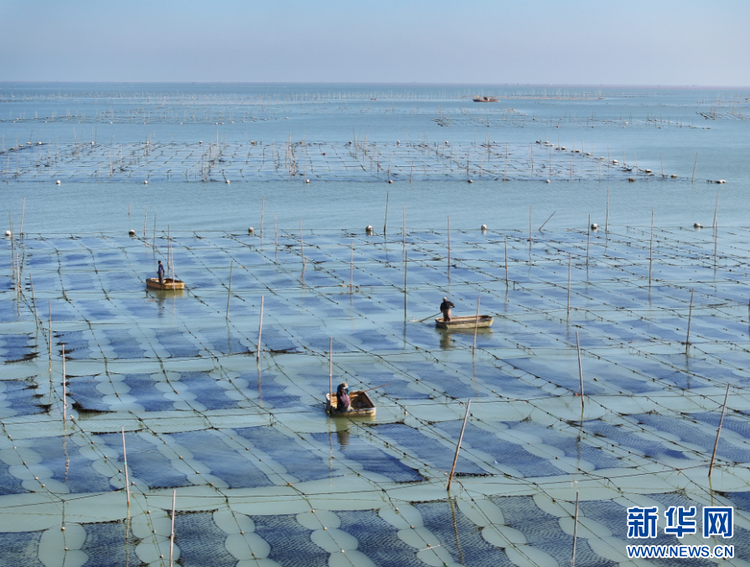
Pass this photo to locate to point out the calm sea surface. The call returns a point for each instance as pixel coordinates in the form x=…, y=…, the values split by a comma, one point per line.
x=647, y=128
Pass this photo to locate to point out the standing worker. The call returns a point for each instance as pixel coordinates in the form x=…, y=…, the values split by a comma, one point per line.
x=445, y=308
x=160, y=272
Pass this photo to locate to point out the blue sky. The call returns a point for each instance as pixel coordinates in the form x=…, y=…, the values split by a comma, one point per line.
x=657, y=42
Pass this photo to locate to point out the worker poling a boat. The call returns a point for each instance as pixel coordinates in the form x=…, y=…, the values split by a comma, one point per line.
x=160, y=272
x=342, y=396
x=445, y=309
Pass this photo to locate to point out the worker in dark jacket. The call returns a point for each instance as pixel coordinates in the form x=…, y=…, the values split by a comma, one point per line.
x=342, y=395
x=445, y=308
x=160, y=272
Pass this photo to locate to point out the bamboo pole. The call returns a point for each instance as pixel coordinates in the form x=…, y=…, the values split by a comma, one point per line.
x=651, y=249
x=690, y=317
x=171, y=535
x=506, y=263
x=476, y=327
x=718, y=432
x=575, y=534
x=580, y=368
x=570, y=268
x=330, y=373
x=545, y=222
x=125, y=466
x=606, y=214
x=49, y=332
x=33, y=302
x=260, y=328
x=229, y=294
x=449, y=242
x=65, y=392
x=588, y=241
x=385, y=222
x=302, y=248
x=458, y=446
x=23, y=212
x=351, y=271
x=695, y=165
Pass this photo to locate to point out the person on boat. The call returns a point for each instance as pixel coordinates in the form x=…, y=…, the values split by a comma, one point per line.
x=342, y=396
x=445, y=309
x=160, y=272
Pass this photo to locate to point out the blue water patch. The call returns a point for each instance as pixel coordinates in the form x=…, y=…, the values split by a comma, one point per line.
x=206, y=390
x=9, y=484
x=290, y=542
x=378, y=540
x=143, y=389
x=219, y=340
x=372, y=459
x=574, y=446
x=505, y=384
x=145, y=462
x=554, y=372
x=85, y=394
x=695, y=435
x=76, y=343
x=426, y=448
x=176, y=343
x=542, y=531
x=22, y=397
x=450, y=383
x=303, y=463
x=506, y=453
x=15, y=348
x=68, y=466
x=106, y=544
x=626, y=439
x=124, y=344
x=229, y=465
x=461, y=537
x=20, y=549
x=271, y=393
x=201, y=542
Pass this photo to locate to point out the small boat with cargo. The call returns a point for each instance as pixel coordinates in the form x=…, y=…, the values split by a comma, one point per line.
x=469, y=322
x=362, y=405
x=168, y=284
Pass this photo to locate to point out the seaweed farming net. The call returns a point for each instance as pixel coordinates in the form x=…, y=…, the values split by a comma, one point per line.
x=199, y=399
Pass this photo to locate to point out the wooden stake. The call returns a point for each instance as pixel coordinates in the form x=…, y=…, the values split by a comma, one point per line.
x=260, y=328
x=588, y=241
x=262, y=211
x=23, y=211
x=125, y=465
x=458, y=446
x=545, y=222
x=351, y=271
x=718, y=432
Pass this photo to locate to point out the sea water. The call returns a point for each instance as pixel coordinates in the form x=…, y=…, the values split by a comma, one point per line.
x=601, y=381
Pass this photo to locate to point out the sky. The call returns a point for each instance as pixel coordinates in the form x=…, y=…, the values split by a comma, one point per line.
x=575, y=42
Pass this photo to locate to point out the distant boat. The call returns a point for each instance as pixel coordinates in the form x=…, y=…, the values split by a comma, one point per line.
x=485, y=99
x=362, y=405
x=169, y=284
x=469, y=322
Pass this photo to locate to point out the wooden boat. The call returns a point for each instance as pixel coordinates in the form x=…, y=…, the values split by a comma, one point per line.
x=470, y=322
x=362, y=405
x=484, y=99
x=168, y=285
